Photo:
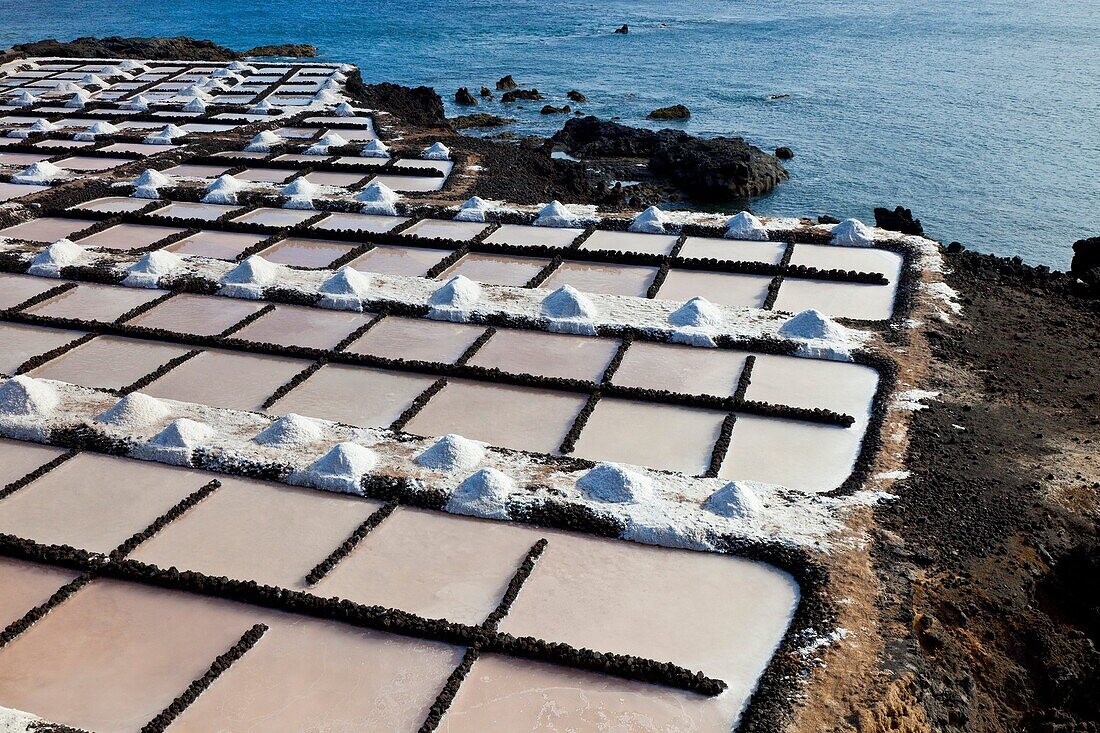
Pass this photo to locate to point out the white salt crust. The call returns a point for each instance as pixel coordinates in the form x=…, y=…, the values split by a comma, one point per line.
x=819, y=336
x=223, y=190
x=250, y=278
x=147, y=184
x=348, y=289
x=436, y=151
x=378, y=199
x=17, y=721
x=554, y=214
x=736, y=500
x=484, y=493
x=455, y=299
x=263, y=142
x=40, y=173
x=375, y=149
x=176, y=444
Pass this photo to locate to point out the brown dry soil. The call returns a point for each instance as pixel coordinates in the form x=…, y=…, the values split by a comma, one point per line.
x=989, y=561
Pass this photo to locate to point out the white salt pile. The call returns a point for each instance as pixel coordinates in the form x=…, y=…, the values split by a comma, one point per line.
x=348, y=289
x=736, y=500
x=820, y=336
x=300, y=193
x=99, y=128
x=340, y=75
x=78, y=100
x=138, y=103
x=344, y=110
x=62, y=253
x=341, y=469
x=554, y=214
x=474, y=209
x=436, y=151
x=330, y=140
x=613, y=483
x=569, y=311
x=650, y=221
x=25, y=99
x=111, y=72
x=331, y=85
x=131, y=65
x=696, y=321
x=224, y=190
x=39, y=173
x=195, y=105
x=375, y=149
x=261, y=108
x=453, y=300
x=452, y=453
x=39, y=125
x=290, y=431
x=165, y=136
x=378, y=199
x=248, y=279
x=326, y=96
x=25, y=396
x=853, y=233
x=147, y=184
x=135, y=411
x=67, y=87
x=238, y=66
x=177, y=443
x=147, y=272
x=483, y=494
x=747, y=227
x=263, y=142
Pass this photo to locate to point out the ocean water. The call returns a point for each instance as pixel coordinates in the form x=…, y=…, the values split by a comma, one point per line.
x=983, y=117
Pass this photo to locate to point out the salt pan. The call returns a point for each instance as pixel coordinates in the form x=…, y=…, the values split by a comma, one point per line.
x=341, y=469
x=436, y=151
x=452, y=453
x=650, y=221
x=39, y=173
x=290, y=431
x=483, y=494
x=248, y=279
x=346, y=290
x=454, y=299
x=569, y=311
x=147, y=272
x=223, y=190
x=25, y=396
x=375, y=149
x=746, y=227
x=853, y=233
x=135, y=411
x=554, y=214
x=474, y=209
x=613, y=483
x=736, y=500
x=62, y=253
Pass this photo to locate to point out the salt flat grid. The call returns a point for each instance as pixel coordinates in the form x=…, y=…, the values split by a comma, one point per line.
x=185, y=331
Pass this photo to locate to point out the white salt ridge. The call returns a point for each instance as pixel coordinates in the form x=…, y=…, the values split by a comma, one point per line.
x=913, y=399
x=17, y=721
x=62, y=253
x=99, y=128
x=554, y=214
x=224, y=190
x=483, y=494
x=195, y=105
x=135, y=411
x=818, y=336
x=616, y=484
x=147, y=272
x=454, y=299
x=290, y=431
x=650, y=221
x=853, y=233
x=341, y=469
x=436, y=151
x=569, y=311
x=348, y=289
x=696, y=322
x=474, y=209
x=249, y=278
x=736, y=500
x=300, y=193
x=452, y=453
x=344, y=110
x=263, y=142
x=146, y=185
x=139, y=103
x=746, y=227
x=331, y=140
x=375, y=149
x=38, y=173
x=378, y=199
x=24, y=396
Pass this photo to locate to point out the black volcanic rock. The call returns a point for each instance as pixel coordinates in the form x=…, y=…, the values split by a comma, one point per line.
x=284, y=50
x=463, y=97
x=1085, y=265
x=575, y=96
x=706, y=169
x=623, y=29
x=673, y=112
x=898, y=220
x=486, y=93
x=531, y=95
x=784, y=153
x=505, y=83
x=550, y=109
x=417, y=106
x=480, y=119
x=179, y=47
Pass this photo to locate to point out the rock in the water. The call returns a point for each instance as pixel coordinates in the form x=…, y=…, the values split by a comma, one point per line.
x=550, y=109
x=485, y=93
x=1086, y=263
x=529, y=95
x=463, y=97
x=784, y=153
x=827, y=219
x=711, y=169
x=673, y=112
x=898, y=220
x=480, y=119
x=576, y=96
x=505, y=83
x=623, y=29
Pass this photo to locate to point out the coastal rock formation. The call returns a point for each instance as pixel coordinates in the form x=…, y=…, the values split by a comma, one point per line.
x=531, y=95
x=284, y=50
x=505, y=83
x=550, y=109
x=898, y=220
x=575, y=96
x=463, y=97
x=480, y=119
x=784, y=153
x=414, y=105
x=673, y=112
x=180, y=47
x=485, y=93
x=712, y=169
x=623, y=29
x=1086, y=263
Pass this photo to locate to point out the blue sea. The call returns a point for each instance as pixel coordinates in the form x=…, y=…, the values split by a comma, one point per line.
x=982, y=116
